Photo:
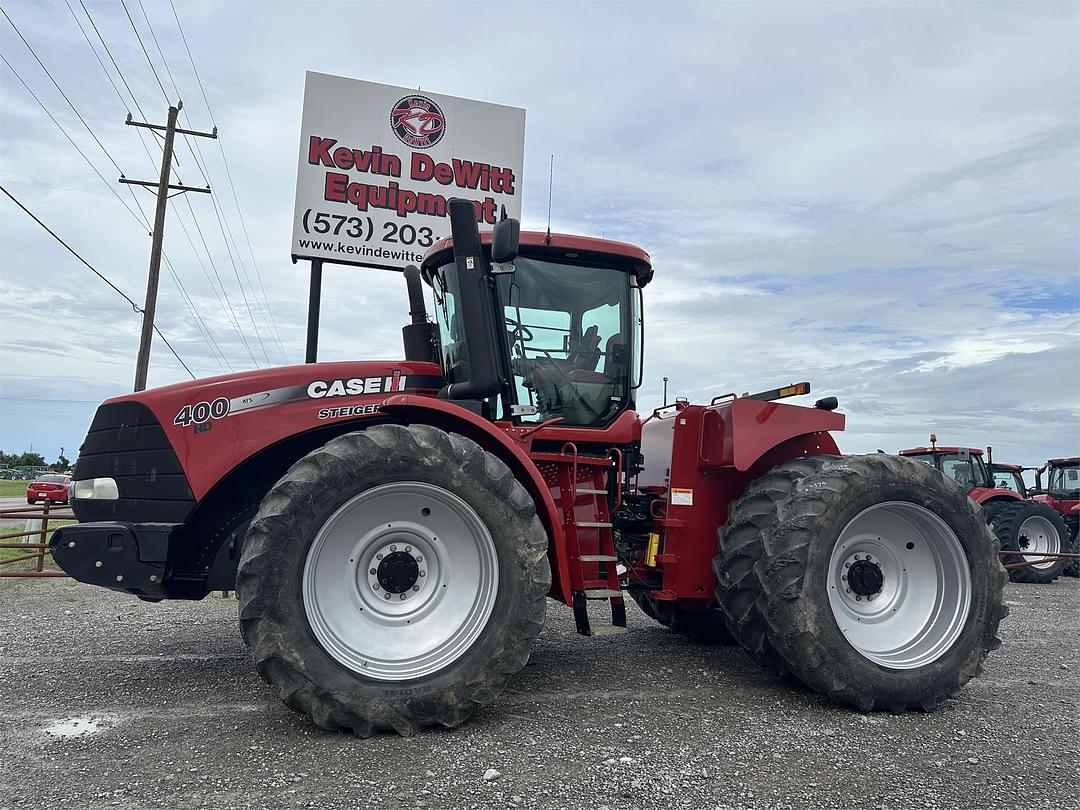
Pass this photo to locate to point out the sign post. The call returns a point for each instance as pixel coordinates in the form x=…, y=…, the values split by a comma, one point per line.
x=377, y=166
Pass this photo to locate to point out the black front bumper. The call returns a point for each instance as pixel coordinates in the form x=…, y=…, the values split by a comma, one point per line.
x=129, y=557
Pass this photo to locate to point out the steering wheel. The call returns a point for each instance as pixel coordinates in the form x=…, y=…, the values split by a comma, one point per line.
x=519, y=331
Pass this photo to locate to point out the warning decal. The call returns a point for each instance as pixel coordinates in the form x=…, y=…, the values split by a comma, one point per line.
x=682, y=497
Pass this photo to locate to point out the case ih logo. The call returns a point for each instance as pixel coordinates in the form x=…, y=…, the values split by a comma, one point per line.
x=418, y=122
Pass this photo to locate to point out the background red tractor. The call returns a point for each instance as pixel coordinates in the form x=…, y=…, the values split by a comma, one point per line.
x=1019, y=524
x=1062, y=494
x=393, y=529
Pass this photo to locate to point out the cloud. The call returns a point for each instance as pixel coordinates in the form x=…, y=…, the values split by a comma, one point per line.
x=880, y=198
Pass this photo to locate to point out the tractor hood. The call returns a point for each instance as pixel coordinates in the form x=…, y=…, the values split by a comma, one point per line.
x=199, y=429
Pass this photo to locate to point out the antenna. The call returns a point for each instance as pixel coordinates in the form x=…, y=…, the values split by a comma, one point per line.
x=551, y=175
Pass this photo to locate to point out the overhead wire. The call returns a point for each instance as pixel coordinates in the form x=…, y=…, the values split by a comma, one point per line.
x=61, y=91
x=139, y=217
x=135, y=307
x=223, y=223
x=161, y=53
x=112, y=59
x=222, y=297
x=193, y=311
x=146, y=53
x=232, y=186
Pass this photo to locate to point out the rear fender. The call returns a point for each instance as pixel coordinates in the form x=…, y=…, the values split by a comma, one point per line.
x=451, y=417
x=738, y=433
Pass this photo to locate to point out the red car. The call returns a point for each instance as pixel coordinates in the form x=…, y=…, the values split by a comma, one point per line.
x=52, y=487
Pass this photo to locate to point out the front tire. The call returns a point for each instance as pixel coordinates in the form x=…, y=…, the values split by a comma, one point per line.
x=393, y=579
x=811, y=535
x=1033, y=527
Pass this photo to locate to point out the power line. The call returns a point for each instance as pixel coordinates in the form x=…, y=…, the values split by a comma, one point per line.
x=205, y=175
x=149, y=61
x=62, y=93
x=222, y=296
x=200, y=323
x=96, y=272
x=112, y=59
x=240, y=284
x=217, y=275
x=105, y=70
x=161, y=53
x=232, y=185
x=190, y=59
x=142, y=221
x=204, y=330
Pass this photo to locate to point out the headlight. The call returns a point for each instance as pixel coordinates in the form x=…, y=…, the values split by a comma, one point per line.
x=101, y=489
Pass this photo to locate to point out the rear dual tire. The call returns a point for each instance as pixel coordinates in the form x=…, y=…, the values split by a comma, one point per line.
x=788, y=575
x=393, y=579
x=1031, y=528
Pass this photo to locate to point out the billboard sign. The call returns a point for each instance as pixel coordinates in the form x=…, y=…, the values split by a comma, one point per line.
x=378, y=164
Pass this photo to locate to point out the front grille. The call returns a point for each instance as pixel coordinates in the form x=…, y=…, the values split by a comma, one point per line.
x=126, y=443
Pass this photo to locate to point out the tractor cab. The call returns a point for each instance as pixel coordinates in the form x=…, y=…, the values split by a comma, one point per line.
x=966, y=466
x=539, y=327
x=1063, y=478
x=1009, y=476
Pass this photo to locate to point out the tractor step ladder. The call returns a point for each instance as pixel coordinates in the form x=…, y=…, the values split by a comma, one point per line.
x=593, y=574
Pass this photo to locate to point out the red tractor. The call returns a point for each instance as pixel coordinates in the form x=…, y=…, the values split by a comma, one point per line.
x=1019, y=524
x=393, y=529
x=1062, y=494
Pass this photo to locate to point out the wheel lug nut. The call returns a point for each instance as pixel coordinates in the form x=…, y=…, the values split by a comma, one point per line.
x=373, y=571
x=847, y=565
x=408, y=548
x=393, y=548
x=858, y=598
x=423, y=573
x=414, y=587
x=386, y=596
x=842, y=576
x=847, y=590
x=856, y=556
x=402, y=597
x=378, y=556
x=375, y=585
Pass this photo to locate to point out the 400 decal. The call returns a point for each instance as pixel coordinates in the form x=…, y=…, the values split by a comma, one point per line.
x=202, y=412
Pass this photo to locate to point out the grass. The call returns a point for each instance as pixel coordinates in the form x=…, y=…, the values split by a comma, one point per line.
x=9, y=526
x=13, y=489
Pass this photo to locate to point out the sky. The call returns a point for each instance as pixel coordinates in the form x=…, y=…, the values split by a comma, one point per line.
x=880, y=198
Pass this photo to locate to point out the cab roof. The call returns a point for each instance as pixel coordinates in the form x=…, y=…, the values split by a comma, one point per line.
x=580, y=249
x=919, y=451
x=1000, y=465
x=1068, y=460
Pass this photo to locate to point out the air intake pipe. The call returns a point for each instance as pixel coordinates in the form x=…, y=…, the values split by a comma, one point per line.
x=476, y=304
x=418, y=335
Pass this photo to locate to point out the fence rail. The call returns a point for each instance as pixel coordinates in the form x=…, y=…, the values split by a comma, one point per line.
x=36, y=551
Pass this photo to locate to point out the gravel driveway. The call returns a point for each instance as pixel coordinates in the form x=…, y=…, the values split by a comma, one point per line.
x=112, y=702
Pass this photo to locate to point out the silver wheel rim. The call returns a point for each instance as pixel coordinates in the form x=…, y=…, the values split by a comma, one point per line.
x=899, y=585
x=1037, y=536
x=350, y=592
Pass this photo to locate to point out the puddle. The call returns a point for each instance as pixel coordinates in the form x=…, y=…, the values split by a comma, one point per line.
x=74, y=727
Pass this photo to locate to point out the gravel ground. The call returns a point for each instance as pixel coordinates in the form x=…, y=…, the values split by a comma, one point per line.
x=645, y=720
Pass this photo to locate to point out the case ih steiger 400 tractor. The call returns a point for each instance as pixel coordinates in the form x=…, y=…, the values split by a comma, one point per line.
x=393, y=528
x=1029, y=527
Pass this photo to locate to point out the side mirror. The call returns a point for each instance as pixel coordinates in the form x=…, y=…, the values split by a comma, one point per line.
x=504, y=241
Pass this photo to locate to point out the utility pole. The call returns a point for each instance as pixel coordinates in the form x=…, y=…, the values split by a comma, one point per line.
x=142, y=363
